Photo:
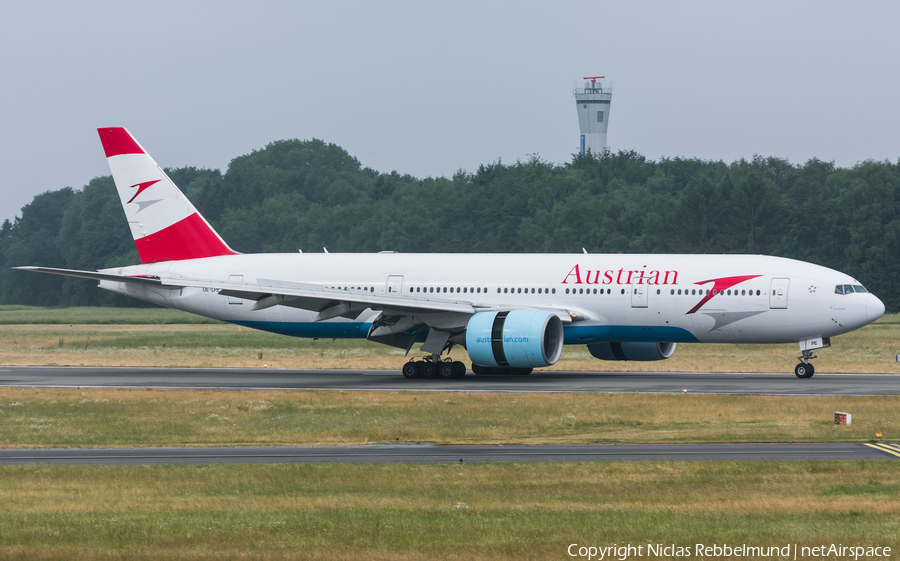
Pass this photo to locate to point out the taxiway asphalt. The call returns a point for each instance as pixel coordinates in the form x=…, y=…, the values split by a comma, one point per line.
x=426, y=453
x=822, y=384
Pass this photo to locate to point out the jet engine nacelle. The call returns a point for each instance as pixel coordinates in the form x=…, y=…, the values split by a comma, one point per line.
x=632, y=351
x=516, y=338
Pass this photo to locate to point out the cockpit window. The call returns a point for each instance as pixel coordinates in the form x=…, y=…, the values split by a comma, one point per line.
x=849, y=289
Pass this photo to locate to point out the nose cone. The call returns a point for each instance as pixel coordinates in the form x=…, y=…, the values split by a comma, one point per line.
x=874, y=308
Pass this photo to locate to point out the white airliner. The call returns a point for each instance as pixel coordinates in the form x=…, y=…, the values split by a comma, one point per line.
x=512, y=312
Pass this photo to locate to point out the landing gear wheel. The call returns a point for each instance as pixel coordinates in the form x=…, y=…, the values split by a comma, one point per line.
x=459, y=369
x=478, y=370
x=522, y=371
x=804, y=370
x=411, y=370
x=428, y=370
x=446, y=371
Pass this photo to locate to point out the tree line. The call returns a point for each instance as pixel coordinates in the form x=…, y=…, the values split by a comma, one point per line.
x=305, y=195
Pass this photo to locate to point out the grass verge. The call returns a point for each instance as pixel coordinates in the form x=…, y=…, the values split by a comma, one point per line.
x=869, y=350
x=41, y=417
x=12, y=315
x=475, y=511
x=170, y=338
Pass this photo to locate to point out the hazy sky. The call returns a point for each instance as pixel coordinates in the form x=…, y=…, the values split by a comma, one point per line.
x=428, y=88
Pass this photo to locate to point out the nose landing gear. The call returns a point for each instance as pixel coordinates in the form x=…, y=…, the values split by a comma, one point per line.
x=805, y=369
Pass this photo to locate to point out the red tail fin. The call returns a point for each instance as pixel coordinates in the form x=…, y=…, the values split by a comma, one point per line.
x=165, y=225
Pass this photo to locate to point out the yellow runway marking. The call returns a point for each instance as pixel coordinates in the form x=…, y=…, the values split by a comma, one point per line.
x=889, y=448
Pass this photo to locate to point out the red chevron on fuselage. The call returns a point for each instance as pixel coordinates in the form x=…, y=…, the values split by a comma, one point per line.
x=721, y=284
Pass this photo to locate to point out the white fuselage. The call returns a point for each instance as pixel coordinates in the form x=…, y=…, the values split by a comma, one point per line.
x=617, y=297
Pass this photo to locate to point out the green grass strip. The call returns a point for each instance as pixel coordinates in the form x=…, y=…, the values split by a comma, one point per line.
x=51, y=417
x=475, y=511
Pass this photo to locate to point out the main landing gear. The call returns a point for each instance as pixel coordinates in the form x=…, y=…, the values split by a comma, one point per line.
x=805, y=369
x=434, y=367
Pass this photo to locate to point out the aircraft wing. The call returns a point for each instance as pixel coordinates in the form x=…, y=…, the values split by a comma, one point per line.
x=266, y=293
x=328, y=302
x=316, y=298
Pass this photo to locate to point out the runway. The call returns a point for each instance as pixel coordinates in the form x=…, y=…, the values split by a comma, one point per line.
x=348, y=380
x=426, y=453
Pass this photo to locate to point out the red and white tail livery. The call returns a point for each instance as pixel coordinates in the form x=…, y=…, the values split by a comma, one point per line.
x=511, y=312
x=165, y=225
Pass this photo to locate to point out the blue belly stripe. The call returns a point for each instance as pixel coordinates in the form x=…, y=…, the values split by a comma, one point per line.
x=324, y=329
x=574, y=334
x=582, y=334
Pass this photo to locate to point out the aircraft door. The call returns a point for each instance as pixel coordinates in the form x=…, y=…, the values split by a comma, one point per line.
x=235, y=278
x=778, y=295
x=639, y=295
x=395, y=285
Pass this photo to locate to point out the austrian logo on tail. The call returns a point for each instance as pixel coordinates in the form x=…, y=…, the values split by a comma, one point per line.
x=141, y=187
x=720, y=285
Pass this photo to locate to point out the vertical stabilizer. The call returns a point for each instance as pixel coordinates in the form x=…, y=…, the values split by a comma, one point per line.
x=165, y=225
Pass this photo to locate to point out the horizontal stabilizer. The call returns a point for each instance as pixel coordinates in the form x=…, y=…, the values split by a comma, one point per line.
x=91, y=275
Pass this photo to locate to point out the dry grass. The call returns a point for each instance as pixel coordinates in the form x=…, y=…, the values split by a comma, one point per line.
x=869, y=350
x=476, y=511
x=51, y=417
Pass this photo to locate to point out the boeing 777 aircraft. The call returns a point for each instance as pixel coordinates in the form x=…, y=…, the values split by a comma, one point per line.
x=512, y=312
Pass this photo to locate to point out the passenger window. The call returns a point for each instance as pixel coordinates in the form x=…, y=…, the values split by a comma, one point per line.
x=757, y=293
x=595, y=291
x=679, y=292
x=657, y=291
x=567, y=291
x=673, y=292
x=532, y=291
x=539, y=290
x=505, y=290
x=520, y=291
x=410, y=289
x=623, y=291
x=554, y=291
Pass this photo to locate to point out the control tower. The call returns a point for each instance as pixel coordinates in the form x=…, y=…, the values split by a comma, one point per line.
x=593, y=104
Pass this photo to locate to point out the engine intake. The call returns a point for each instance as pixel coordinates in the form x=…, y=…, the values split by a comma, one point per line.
x=632, y=351
x=516, y=338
